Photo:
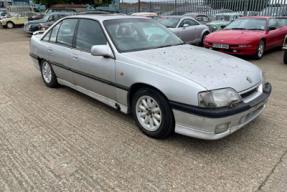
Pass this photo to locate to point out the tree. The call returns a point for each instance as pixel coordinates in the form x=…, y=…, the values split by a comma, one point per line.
x=94, y=3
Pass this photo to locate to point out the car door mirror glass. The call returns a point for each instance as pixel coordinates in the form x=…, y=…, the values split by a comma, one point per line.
x=102, y=50
x=223, y=26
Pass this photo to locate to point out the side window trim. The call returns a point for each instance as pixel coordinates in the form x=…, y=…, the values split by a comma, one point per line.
x=75, y=34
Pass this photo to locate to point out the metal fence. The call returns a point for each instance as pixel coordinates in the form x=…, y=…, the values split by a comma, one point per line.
x=210, y=7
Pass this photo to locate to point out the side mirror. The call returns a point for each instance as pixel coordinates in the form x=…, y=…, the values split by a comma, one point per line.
x=271, y=28
x=223, y=26
x=185, y=25
x=102, y=50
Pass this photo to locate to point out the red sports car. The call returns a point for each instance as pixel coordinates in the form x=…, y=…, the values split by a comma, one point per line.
x=248, y=36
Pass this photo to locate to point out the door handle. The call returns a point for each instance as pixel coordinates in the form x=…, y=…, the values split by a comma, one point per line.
x=75, y=57
x=50, y=50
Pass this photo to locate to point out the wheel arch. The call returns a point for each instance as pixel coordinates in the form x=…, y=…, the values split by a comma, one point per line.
x=137, y=86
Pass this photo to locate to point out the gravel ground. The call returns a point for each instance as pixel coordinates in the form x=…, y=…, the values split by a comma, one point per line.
x=62, y=140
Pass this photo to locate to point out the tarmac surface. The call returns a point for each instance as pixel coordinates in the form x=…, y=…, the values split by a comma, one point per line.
x=61, y=140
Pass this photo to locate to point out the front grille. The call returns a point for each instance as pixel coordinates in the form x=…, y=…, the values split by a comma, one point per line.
x=244, y=95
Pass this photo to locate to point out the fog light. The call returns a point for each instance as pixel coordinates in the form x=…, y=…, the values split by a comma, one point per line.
x=221, y=128
x=235, y=51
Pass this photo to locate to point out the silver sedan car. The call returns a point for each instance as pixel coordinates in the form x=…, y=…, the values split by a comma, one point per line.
x=185, y=27
x=138, y=66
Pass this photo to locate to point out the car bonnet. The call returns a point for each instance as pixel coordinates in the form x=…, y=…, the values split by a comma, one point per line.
x=210, y=69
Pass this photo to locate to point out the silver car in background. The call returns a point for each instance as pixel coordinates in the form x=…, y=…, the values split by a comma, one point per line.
x=185, y=27
x=138, y=66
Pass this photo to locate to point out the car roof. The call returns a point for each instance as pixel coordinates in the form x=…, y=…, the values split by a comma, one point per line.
x=57, y=13
x=104, y=17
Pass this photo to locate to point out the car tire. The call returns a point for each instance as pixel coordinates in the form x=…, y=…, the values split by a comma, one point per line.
x=285, y=57
x=10, y=25
x=260, y=50
x=202, y=39
x=149, y=106
x=48, y=75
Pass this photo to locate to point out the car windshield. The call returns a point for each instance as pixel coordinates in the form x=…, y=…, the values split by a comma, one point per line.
x=139, y=34
x=169, y=21
x=222, y=17
x=248, y=24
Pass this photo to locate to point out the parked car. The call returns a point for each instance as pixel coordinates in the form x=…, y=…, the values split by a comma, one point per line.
x=18, y=20
x=3, y=15
x=51, y=10
x=248, y=36
x=155, y=17
x=168, y=86
x=92, y=12
x=282, y=20
x=188, y=29
x=32, y=26
x=201, y=18
x=211, y=12
x=222, y=19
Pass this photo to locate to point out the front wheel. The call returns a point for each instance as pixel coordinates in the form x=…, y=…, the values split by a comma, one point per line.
x=152, y=113
x=260, y=50
x=10, y=25
x=48, y=75
x=285, y=57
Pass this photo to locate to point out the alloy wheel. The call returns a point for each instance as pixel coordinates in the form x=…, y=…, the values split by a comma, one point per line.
x=148, y=113
x=47, y=73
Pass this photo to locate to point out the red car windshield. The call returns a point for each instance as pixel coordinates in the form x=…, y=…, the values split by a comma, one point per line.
x=248, y=24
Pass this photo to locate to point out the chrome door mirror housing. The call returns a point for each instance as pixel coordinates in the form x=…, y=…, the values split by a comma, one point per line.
x=102, y=50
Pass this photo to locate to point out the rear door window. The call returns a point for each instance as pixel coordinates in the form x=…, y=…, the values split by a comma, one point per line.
x=66, y=32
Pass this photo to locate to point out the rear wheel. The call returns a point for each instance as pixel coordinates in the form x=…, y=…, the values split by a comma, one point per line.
x=152, y=113
x=10, y=25
x=48, y=74
x=285, y=57
x=260, y=50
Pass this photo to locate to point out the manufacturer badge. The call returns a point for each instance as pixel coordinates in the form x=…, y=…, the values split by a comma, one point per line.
x=249, y=79
x=221, y=40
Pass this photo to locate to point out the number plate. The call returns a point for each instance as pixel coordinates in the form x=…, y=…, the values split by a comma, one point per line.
x=221, y=46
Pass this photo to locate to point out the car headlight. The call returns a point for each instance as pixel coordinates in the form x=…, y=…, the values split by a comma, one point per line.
x=263, y=79
x=29, y=26
x=218, y=98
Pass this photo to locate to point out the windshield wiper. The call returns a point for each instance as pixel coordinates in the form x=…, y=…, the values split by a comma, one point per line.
x=170, y=26
x=170, y=45
x=163, y=46
x=238, y=28
x=256, y=29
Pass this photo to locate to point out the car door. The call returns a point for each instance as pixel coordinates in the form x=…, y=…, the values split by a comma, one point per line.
x=187, y=34
x=274, y=36
x=59, y=48
x=94, y=73
x=19, y=18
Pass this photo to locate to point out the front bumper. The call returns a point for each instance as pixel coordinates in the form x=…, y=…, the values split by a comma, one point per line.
x=27, y=30
x=201, y=123
x=235, y=50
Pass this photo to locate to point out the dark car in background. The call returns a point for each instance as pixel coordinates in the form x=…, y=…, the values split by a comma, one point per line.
x=32, y=26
